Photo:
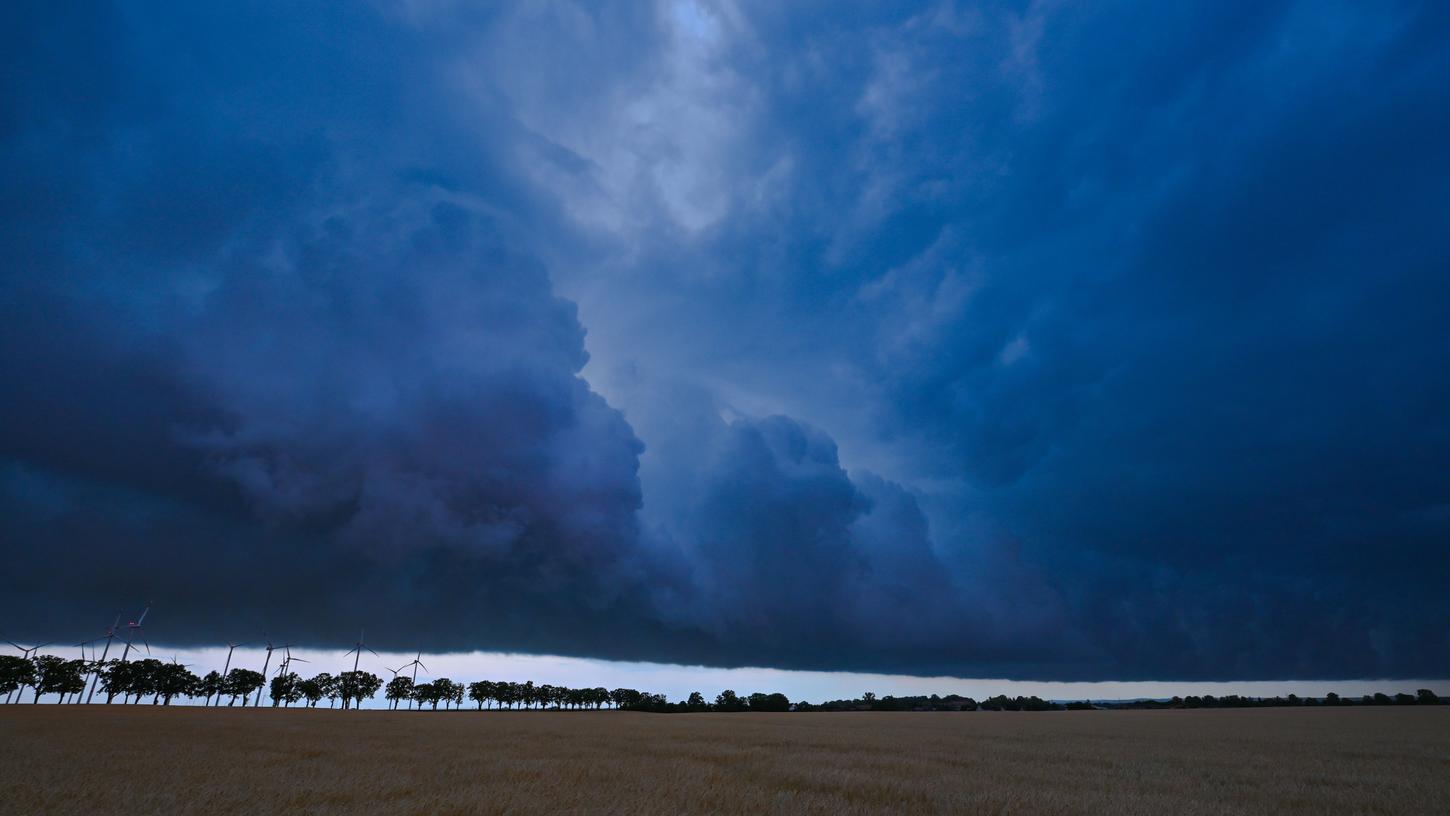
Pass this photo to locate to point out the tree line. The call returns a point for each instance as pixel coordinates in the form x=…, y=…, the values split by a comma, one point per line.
x=1001, y=702
x=160, y=682
x=1420, y=697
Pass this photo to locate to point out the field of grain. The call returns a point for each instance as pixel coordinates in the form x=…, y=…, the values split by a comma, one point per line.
x=140, y=759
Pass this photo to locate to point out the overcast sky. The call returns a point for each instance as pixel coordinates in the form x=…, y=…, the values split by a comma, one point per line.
x=1042, y=341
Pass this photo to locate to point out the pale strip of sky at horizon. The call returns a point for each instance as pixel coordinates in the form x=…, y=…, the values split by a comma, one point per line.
x=676, y=681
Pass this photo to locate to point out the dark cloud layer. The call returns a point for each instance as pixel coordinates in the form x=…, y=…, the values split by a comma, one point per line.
x=1139, y=314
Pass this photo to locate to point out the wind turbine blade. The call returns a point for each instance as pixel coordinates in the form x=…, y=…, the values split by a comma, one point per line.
x=375, y=654
x=424, y=665
x=144, y=613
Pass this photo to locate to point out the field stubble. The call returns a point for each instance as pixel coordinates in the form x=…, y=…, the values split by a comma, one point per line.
x=140, y=759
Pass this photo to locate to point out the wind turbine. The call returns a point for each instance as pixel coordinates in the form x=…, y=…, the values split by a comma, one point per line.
x=231, y=647
x=288, y=659
x=417, y=661
x=395, y=677
x=96, y=673
x=76, y=698
x=25, y=653
x=258, y=699
x=356, y=651
x=286, y=665
x=133, y=630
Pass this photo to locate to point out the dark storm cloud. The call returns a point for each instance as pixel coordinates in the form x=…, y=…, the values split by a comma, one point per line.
x=257, y=367
x=1148, y=302
x=1138, y=311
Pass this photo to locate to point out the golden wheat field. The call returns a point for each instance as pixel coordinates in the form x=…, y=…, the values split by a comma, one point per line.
x=139, y=759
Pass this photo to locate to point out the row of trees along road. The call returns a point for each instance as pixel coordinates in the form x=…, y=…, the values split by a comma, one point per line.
x=160, y=682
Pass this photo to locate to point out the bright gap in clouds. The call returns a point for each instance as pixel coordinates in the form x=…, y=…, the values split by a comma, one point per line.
x=676, y=682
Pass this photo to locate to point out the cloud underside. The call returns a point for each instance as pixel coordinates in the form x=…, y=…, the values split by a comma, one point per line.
x=1036, y=343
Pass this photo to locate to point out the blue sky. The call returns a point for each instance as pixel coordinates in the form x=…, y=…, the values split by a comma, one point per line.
x=1022, y=340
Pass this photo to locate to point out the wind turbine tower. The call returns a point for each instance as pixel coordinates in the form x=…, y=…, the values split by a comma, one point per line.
x=76, y=698
x=231, y=647
x=96, y=672
x=258, y=700
x=286, y=665
x=356, y=651
x=417, y=661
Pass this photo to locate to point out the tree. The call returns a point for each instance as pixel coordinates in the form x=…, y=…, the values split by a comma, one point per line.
x=728, y=700
x=398, y=689
x=331, y=688
x=145, y=679
x=209, y=686
x=1426, y=697
x=175, y=680
x=75, y=680
x=769, y=702
x=479, y=692
x=696, y=702
x=506, y=693
x=241, y=683
x=116, y=679
x=315, y=688
x=285, y=688
x=445, y=692
x=15, y=674
x=356, y=686
x=56, y=675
